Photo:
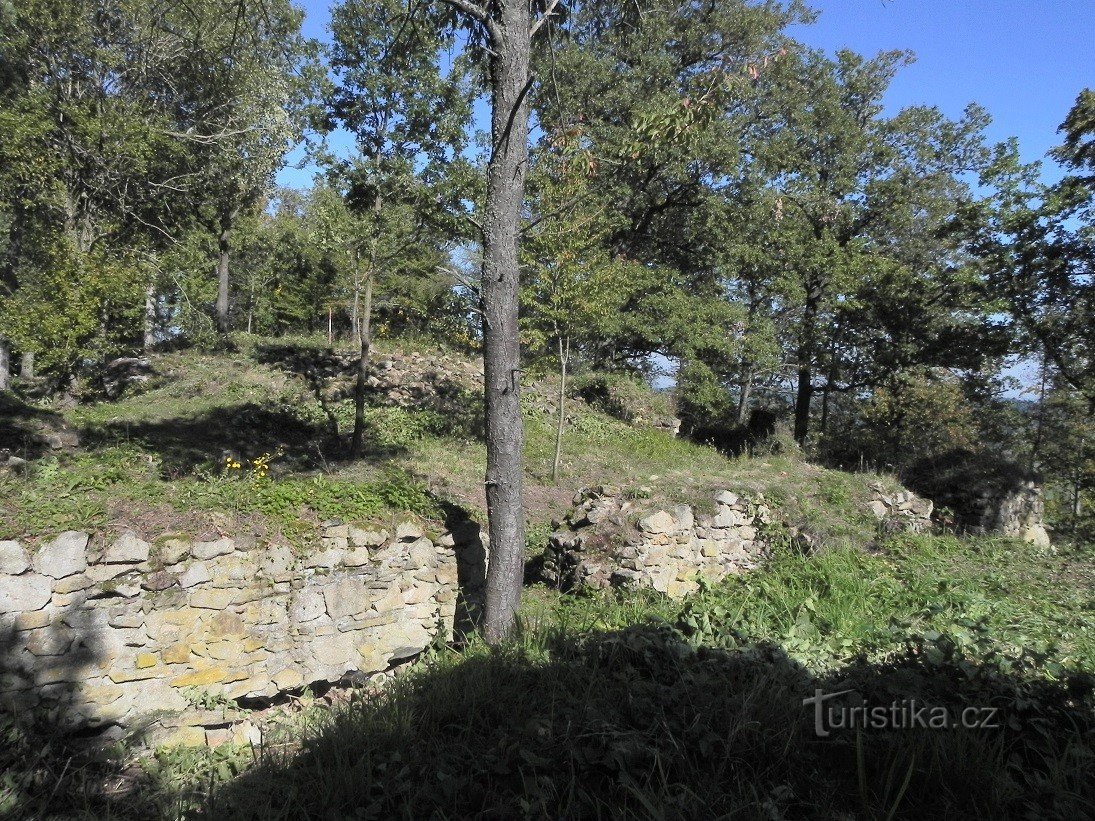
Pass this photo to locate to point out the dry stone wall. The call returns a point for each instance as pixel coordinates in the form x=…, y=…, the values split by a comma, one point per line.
x=96, y=633
x=669, y=551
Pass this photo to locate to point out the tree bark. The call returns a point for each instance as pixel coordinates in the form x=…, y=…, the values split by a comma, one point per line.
x=149, y=317
x=804, y=392
x=5, y=365
x=510, y=80
x=223, y=248
x=364, y=347
x=745, y=390
x=26, y=365
x=564, y=358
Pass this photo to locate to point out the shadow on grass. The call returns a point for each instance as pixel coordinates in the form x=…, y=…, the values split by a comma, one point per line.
x=639, y=724
x=25, y=430
x=187, y=445
x=459, y=413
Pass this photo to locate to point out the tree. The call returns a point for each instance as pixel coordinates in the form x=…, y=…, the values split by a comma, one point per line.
x=504, y=31
x=572, y=285
x=409, y=119
x=866, y=201
x=244, y=78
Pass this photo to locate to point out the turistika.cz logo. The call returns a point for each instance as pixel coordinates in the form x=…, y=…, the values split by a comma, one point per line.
x=907, y=714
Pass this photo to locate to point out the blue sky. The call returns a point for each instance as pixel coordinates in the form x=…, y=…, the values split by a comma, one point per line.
x=1022, y=60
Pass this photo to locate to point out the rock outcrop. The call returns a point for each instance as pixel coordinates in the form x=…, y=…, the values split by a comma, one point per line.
x=669, y=551
x=96, y=633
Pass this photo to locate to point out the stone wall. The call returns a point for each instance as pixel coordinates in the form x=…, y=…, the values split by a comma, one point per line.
x=96, y=633
x=667, y=550
x=901, y=511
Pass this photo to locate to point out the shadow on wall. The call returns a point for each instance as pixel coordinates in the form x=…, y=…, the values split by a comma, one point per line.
x=639, y=724
x=45, y=667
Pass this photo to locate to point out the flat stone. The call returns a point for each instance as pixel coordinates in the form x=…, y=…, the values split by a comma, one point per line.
x=660, y=522
x=727, y=517
x=100, y=573
x=13, y=559
x=346, y=597
x=288, y=679
x=48, y=641
x=307, y=606
x=878, y=508
x=211, y=599
x=408, y=532
x=209, y=550
x=71, y=584
x=27, y=592
x=367, y=538
x=197, y=573
x=200, y=678
x=747, y=533
x=727, y=498
x=64, y=556
x=127, y=549
x=160, y=580
x=173, y=551
x=337, y=532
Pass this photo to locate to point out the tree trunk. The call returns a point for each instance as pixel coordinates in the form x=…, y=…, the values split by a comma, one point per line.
x=805, y=390
x=5, y=365
x=364, y=346
x=744, y=393
x=509, y=78
x=26, y=365
x=149, y=317
x=564, y=357
x=223, y=248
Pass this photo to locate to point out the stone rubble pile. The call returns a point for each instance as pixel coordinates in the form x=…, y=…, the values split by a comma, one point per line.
x=668, y=551
x=96, y=634
x=902, y=511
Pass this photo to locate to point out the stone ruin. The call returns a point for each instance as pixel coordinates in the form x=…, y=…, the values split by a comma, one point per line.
x=134, y=634
x=902, y=511
x=669, y=551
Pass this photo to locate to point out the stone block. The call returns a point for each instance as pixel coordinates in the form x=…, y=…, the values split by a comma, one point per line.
x=196, y=573
x=72, y=584
x=367, y=538
x=100, y=573
x=209, y=550
x=29, y=591
x=657, y=523
x=64, y=556
x=408, y=532
x=727, y=498
x=126, y=549
x=200, y=678
x=329, y=557
x=307, y=606
x=13, y=559
x=211, y=599
x=346, y=597
x=727, y=517
x=173, y=551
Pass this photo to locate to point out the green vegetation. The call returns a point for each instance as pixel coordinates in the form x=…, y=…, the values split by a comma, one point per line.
x=632, y=705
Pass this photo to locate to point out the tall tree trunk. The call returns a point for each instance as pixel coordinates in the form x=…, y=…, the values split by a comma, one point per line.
x=364, y=347
x=5, y=365
x=26, y=365
x=564, y=358
x=149, y=317
x=223, y=247
x=510, y=80
x=804, y=392
x=745, y=390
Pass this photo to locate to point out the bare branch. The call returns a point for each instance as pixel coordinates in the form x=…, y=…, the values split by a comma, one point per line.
x=548, y=13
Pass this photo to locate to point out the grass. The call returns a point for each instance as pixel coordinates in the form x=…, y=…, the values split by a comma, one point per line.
x=631, y=705
x=152, y=459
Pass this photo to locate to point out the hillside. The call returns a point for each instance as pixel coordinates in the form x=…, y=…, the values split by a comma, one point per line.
x=160, y=459
x=607, y=702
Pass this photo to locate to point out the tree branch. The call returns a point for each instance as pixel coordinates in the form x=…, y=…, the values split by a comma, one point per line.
x=548, y=12
x=481, y=15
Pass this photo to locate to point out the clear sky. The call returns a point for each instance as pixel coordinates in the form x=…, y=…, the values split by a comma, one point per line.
x=1023, y=60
